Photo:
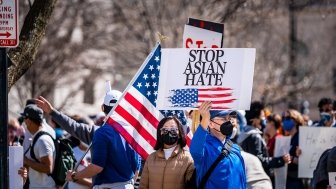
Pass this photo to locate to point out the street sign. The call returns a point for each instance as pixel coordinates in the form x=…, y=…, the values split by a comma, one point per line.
x=9, y=23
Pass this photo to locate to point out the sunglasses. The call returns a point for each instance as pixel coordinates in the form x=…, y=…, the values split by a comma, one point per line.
x=166, y=130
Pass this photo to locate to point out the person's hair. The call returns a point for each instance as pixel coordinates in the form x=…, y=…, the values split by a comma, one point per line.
x=324, y=101
x=107, y=109
x=254, y=112
x=334, y=105
x=37, y=122
x=159, y=141
x=296, y=116
x=275, y=119
x=13, y=124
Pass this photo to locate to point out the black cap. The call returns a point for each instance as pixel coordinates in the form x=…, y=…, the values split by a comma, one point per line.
x=33, y=112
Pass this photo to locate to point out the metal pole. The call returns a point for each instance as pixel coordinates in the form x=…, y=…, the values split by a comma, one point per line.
x=3, y=120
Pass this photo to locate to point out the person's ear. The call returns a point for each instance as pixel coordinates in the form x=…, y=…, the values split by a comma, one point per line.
x=102, y=108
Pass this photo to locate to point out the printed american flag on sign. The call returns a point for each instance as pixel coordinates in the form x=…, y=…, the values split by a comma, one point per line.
x=219, y=96
x=135, y=115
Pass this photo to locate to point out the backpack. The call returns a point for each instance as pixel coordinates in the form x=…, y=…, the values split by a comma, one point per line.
x=64, y=161
x=320, y=175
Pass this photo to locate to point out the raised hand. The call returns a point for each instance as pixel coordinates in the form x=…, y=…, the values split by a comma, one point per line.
x=44, y=104
x=204, y=111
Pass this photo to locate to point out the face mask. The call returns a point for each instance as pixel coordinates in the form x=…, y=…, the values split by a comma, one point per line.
x=169, y=137
x=288, y=124
x=226, y=128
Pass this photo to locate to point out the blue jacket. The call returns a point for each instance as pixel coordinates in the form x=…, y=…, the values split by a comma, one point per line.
x=229, y=173
x=119, y=162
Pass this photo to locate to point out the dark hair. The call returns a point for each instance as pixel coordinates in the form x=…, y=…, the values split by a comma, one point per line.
x=276, y=119
x=36, y=121
x=107, y=109
x=181, y=141
x=334, y=105
x=324, y=101
x=254, y=112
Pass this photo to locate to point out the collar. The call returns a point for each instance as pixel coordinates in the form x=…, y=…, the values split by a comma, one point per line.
x=160, y=153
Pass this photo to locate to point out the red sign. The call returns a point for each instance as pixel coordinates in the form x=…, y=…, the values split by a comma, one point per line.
x=9, y=23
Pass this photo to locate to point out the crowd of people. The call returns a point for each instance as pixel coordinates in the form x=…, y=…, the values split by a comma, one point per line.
x=229, y=149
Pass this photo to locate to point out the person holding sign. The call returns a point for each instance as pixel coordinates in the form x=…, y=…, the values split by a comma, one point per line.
x=292, y=120
x=217, y=160
x=170, y=166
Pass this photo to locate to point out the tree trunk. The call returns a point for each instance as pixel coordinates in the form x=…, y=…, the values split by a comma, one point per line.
x=32, y=33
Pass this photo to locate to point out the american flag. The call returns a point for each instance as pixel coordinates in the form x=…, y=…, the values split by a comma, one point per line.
x=220, y=97
x=135, y=115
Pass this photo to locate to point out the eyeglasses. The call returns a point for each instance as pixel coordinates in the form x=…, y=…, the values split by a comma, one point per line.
x=166, y=130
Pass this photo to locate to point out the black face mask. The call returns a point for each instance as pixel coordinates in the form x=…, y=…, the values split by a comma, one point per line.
x=169, y=137
x=226, y=128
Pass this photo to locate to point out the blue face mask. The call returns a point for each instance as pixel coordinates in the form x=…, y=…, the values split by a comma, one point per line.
x=288, y=124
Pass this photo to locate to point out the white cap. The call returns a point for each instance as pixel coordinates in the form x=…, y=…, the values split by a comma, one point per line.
x=111, y=96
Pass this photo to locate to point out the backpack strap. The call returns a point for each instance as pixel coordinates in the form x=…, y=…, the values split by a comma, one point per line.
x=36, y=137
x=225, y=152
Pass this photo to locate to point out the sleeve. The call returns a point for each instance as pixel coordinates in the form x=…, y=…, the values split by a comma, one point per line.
x=256, y=146
x=44, y=147
x=197, y=144
x=81, y=131
x=99, y=148
x=145, y=176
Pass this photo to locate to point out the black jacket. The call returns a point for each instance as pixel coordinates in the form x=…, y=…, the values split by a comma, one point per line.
x=252, y=142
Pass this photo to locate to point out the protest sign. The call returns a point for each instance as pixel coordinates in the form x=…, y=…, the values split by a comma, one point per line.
x=313, y=141
x=15, y=161
x=189, y=77
x=194, y=37
x=208, y=25
x=203, y=34
x=282, y=146
x=332, y=180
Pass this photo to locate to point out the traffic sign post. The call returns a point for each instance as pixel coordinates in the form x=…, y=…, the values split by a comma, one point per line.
x=9, y=37
x=9, y=23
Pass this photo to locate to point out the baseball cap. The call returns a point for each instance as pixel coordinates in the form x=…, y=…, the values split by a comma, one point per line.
x=112, y=97
x=33, y=112
x=222, y=113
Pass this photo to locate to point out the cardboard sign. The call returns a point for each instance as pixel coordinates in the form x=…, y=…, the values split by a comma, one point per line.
x=313, y=141
x=189, y=77
x=14, y=163
x=194, y=37
x=9, y=23
x=282, y=146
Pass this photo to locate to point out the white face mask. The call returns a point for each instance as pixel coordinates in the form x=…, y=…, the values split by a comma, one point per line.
x=234, y=132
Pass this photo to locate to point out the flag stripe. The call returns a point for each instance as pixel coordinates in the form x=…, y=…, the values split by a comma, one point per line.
x=215, y=89
x=137, y=114
x=136, y=124
x=144, y=111
x=129, y=138
x=209, y=95
x=131, y=131
x=218, y=101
